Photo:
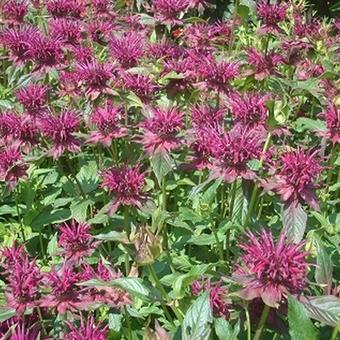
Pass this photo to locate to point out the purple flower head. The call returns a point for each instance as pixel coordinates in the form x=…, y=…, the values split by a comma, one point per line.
x=198, y=35
x=142, y=85
x=303, y=29
x=126, y=184
x=235, y=149
x=295, y=178
x=307, y=69
x=76, y=240
x=95, y=77
x=22, y=332
x=82, y=54
x=9, y=125
x=101, y=6
x=107, y=121
x=332, y=118
x=46, y=52
x=12, y=256
x=100, y=31
x=199, y=4
x=12, y=166
x=22, y=289
x=206, y=116
x=33, y=98
x=270, y=271
x=264, y=64
x=217, y=75
x=295, y=50
x=160, y=132
x=66, y=8
x=249, y=109
x=64, y=295
x=65, y=30
x=14, y=11
x=127, y=49
x=18, y=41
x=87, y=331
x=60, y=129
x=167, y=11
x=164, y=49
x=271, y=15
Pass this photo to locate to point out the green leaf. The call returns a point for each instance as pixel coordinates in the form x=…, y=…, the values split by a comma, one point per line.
x=50, y=217
x=115, y=322
x=52, y=245
x=224, y=330
x=5, y=314
x=324, y=269
x=113, y=236
x=300, y=326
x=325, y=309
x=311, y=124
x=240, y=205
x=294, y=220
x=79, y=209
x=162, y=164
x=210, y=194
x=198, y=319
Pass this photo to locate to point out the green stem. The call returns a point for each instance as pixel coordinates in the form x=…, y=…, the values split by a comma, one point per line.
x=335, y=332
x=127, y=318
x=44, y=331
x=219, y=245
x=165, y=295
x=248, y=324
x=262, y=322
x=236, y=2
x=19, y=215
x=127, y=231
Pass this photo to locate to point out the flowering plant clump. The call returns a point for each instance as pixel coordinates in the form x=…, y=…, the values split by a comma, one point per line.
x=169, y=169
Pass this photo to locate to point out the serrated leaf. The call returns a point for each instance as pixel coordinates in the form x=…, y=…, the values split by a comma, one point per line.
x=240, y=205
x=224, y=330
x=210, y=194
x=198, y=319
x=325, y=309
x=162, y=164
x=294, y=220
x=79, y=209
x=300, y=326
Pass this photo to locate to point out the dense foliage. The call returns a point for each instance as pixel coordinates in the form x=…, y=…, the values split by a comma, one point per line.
x=167, y=175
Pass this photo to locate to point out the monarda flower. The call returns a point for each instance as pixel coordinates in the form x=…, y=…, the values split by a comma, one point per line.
x=46, y=52
x=295, y=178
x=87, y=331
x=126, y=184
x=95, y=77
x=107, y=121
x=60, y=130
x=66, y=8
x=64, y=293
x=33, y=98
x=12, y=256
x=14, y=11
x=167, y=11
x=100, y=31
x=248, y=109
x=264, y=65
x=160, y=131
x=332, y=118
x=206, y=116
x=217, y=296
x=165, y=50
x=235, y=149
x=65, y=30
x=22, y=289
x=142, y=85
x=18, y=41
x=21, y=331
x=270, y=271
x=127, y=49
x=307, y=69
x=12, y=166
x=76, y=240
x=271, y=15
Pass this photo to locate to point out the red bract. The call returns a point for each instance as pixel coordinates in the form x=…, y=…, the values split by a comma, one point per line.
x=22, y=290
x=64, y=295
x=167, y=11
x=60, y=129
x=87, y=331
x=270, y=271
x=107, y=120
x=33, y=98
x=76, y=240
x=12, y=166
x=295, y=177
x=271, y=15
x=264, y=64
x=126, y=184
x=332, y=118
x=127, y=49
x=18, y=41
x=160, y=132
x=94, y=77
x=14, y=11
x=235, y=149
x=249, y=109
x=66, y=8
x=66, y=30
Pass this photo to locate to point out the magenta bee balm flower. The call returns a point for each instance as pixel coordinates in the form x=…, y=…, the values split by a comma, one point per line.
x=60, y=129
x=270, y=271
x=271, y=15
x=167, y=11
x=332, y=118
x=66, y=8
x=87, y=331
x=126, y=184
x=66, y=30
x=33, y=98
x=14, y=11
